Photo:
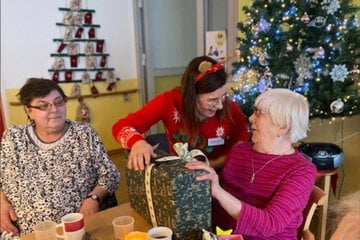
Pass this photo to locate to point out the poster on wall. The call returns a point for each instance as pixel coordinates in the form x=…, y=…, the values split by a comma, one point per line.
x=216, y=44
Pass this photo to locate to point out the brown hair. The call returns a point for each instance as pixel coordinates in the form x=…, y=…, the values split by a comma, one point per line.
x=37, y=87
x=191, y=88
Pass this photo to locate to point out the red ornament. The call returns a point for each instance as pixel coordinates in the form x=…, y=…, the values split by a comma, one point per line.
x=68, y=76
x=79, y=32
x=73, y=61
x=88, y=18
x=99, y=46
x=91, y=33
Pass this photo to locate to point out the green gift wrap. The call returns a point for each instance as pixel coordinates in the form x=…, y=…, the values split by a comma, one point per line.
x=177, y=199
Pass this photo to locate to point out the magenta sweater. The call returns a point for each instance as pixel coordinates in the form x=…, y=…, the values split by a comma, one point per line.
x=272, y=205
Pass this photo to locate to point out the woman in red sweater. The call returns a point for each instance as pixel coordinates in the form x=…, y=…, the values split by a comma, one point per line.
x=265, y=185
x=198, y=113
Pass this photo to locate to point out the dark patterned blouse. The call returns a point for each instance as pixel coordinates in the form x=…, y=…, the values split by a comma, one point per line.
x=46, y=181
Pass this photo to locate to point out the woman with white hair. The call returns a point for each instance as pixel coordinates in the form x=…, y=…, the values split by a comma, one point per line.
x=265, y=184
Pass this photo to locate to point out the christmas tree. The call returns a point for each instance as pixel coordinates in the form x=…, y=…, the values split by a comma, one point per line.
x=311, y=47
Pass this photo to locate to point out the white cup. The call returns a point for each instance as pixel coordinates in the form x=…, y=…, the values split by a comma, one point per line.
x=73, y=226
x=45, y=230
x=123, y=226
x=160, y=233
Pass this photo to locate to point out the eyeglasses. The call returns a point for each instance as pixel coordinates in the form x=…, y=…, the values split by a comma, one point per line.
x=258, y=112
x=214, y=101
x=45, y=106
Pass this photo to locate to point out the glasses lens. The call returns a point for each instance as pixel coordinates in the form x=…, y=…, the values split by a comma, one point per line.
x=59, y=102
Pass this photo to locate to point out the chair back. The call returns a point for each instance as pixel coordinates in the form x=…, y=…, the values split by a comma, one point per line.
x=317, y=198
x=158, y=138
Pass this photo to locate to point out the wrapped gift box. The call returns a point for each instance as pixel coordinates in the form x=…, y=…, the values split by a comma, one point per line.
x=179, y=201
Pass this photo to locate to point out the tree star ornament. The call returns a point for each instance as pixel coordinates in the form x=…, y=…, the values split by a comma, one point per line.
x=339, y=73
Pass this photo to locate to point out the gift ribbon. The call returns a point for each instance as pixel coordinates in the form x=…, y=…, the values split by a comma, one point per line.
x=184, y=154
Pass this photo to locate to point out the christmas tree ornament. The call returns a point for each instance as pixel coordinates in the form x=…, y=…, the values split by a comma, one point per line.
x=68, y=33
x=75, y=90
x=305, y=18
x=68, y=18
x=78, y=19
x=302, y=67
x=79, y=32
x=89, y=48
x=319, y=53
x=75, y=5
x=73, y=48
x=339, y=72
x=248, y=21
x=90, y=62
x=98, y=76
x=91, y=33
x=55, y=76
x=268, y=74
x=61, y=47
x=94, y=90
x=318, y=22
x=88, y=18
x=331, y=6
x=103, y=61
x=99, y=46
x=263, y=59
x=289, y=47
x=58, y=64
x=337, y=106
x=263, y=84
x=82, y=112
x=68, y=76
x=85, y=78
x=73, y=61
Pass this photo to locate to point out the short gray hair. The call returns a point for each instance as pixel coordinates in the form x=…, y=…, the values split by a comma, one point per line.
x=286, y=109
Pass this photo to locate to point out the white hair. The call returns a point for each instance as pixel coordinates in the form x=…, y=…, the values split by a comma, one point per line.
x=287, y=109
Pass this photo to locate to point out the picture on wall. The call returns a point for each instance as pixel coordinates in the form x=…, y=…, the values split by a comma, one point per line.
x=216, y=45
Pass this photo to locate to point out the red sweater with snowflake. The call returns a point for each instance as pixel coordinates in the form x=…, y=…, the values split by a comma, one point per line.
x=215, y=137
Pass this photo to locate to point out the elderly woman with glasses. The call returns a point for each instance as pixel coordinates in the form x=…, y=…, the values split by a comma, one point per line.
x=52, y=166
x=265, y=184
x=197, y=112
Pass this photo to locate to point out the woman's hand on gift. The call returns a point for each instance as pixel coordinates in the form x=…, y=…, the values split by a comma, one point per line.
x=211, y=175
x=230, y=203
x=141, y=152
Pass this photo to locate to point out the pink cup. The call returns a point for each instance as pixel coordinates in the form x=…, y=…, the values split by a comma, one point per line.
x=73, y=226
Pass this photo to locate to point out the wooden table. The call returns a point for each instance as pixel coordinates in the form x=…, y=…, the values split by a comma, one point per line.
x=100, y=227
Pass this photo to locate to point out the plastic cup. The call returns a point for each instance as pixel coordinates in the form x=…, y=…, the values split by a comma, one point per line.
x=122, y=226
x=45, y=230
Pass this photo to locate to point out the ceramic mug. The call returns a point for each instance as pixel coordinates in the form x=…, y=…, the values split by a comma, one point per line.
x=73, y=226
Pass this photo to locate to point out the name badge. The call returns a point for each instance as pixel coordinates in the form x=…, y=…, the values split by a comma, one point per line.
x=216, y=141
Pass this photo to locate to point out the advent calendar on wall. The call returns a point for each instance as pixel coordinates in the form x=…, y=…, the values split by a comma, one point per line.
x=80, y=56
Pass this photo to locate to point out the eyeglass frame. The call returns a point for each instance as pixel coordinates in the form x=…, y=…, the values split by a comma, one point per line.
x=214, y=101
x=45, y=106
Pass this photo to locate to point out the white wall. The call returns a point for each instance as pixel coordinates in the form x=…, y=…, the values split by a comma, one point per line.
x=28, y=27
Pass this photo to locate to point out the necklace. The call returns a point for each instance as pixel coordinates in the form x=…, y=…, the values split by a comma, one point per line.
x=253, y=175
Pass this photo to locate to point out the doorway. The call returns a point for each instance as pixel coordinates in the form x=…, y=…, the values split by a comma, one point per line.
x=170, y=33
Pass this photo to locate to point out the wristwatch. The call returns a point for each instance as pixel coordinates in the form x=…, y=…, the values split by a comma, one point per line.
x=94, y=197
